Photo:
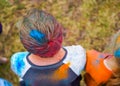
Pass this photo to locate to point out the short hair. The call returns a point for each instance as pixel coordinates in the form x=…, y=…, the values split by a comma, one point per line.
x=40, y=33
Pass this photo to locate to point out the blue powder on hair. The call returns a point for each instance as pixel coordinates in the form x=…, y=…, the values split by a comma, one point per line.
x=117, y=53
x=38, y=36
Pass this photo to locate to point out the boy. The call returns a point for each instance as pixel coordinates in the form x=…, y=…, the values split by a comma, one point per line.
x=47, y=62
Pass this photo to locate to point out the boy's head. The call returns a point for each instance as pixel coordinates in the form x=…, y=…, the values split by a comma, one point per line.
x=40, y=33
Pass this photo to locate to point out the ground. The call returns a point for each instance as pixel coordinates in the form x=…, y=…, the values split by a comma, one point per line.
x=90, y=23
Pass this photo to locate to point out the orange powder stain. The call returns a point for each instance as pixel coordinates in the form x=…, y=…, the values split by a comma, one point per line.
x=118, y=39
x=62, y=72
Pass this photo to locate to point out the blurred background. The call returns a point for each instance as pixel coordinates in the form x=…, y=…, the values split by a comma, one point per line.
x=90, y=23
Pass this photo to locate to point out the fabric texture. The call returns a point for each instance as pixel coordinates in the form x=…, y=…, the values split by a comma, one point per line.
x=96, y=68
x=64, y=73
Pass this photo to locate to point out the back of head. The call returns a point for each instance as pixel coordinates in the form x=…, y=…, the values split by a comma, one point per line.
x=40, y=33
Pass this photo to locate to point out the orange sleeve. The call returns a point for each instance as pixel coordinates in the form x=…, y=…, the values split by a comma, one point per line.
x=89, y=80
x=96, y=68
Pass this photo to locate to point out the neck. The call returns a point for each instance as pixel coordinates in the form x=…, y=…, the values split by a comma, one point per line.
x=42, y=61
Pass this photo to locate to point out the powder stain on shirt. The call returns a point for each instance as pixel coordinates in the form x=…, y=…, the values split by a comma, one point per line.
x=117, y=53
x=62, y=72
x=17, y=62
x=101, y=56
x=118, y=39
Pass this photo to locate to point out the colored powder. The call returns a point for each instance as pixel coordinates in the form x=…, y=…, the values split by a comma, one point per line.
x=117, y=53
x=4, y=82
x=101, y=56
x=37, y=35
x=118, y=39
x=18, y=64
x=62, y=72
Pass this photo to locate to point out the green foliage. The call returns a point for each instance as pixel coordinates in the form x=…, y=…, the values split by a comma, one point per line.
x=3, y=4
x=90, y=23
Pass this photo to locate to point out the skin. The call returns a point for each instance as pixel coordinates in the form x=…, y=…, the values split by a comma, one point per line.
x=111, y=63
x=43, y=61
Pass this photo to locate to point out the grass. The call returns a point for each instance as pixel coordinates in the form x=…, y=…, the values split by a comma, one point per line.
x=90, y=23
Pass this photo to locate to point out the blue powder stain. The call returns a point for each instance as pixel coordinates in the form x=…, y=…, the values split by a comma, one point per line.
x=117, y=53
x=101, y=56
x=18, y=63
x=4, y=82
x=97, y=61
x=38, y=36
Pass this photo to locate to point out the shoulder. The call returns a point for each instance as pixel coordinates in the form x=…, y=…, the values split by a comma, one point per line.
x=76, y=50
x=76, y=55
x=95, y=59
x=74, y=47
x=18, y=62
x=95, y=66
